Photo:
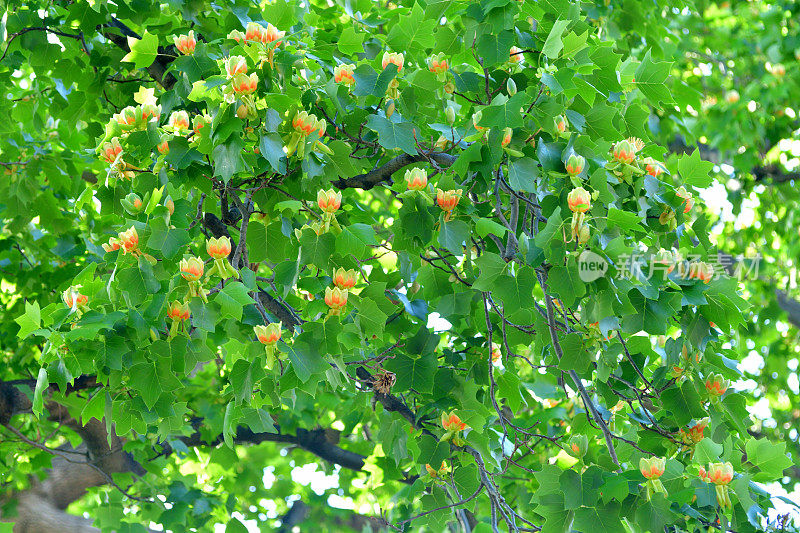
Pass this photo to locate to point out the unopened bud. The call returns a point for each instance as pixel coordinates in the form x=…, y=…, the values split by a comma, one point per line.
x=241, y=112
x=511, y=87
x=390, y=109
x=450, y=113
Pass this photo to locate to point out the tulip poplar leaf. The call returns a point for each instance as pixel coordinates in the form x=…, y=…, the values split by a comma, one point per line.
x=392, y=135
x=143, y=51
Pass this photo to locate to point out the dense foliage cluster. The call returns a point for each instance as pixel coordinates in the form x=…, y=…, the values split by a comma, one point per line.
x=454, y=254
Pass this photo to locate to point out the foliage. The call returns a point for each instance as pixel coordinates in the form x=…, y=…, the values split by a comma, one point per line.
x=436, y=344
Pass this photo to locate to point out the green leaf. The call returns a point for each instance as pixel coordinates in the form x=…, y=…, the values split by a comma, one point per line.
x=566, y=282
x=453, y=236
x=143, y=51
x=30, y=321
x=413, y=372
x=553, y=44
x=351, y=42
x=144, y=380
x=305, y=357
x=271, y=147
x=650, y=78
x=228, y=159
x=413, y=31
x=369, y=82
x=370, y=318
x=392, y=135
x=42, y=382
x=694, y=171
x=494, y=47
x=232, y=298
x=515, y=291
x=166, y=239
x=624, y=220
x=769, y=457
x=505, y=112
x=600, y=519
x=523, y=174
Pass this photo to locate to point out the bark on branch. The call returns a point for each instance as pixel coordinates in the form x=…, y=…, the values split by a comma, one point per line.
x=384, y=172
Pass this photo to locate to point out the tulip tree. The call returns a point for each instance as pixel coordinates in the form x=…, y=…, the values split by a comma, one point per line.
x=445, y=255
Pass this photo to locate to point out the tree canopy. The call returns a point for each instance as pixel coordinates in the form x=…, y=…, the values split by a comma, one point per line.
x=423, y=265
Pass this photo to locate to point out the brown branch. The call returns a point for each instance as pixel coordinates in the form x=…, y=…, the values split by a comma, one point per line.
x=384, y=172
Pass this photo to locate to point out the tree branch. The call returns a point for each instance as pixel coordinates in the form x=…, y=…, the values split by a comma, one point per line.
x=384, y=172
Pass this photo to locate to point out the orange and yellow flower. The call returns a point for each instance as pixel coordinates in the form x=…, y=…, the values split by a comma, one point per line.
x=185, y=43
x=192, y=268
x=344, y=74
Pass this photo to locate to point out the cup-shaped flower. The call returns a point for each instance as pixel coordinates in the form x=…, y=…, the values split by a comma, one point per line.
x=393, y=58
x=345, y=279
x=652, y=467
x=179, y=121
x=438, y=63
x=192, y=268
x=254, y=32
x=344, y=74
x=448, y=200
x=515, y=54
x=129, y=240
x=579, y=200
x=329, y=201
x=218, y=248
x=476, y=117
x=452, y=422
x=163, y=146
x=178, y=311
x=243, y=84
x=732, y=97
x=716, y=385
x=653, y=167
x=416, y=178
x=111, y=150
x=717, y=473
x=575, y=164
x=235, y=65
x=624, y=152
x=304, y=123
x=73, y=298
x=694, y=434
x=688, y=201
x=113, y=244
x=185, y=43
x=272, y=35
x=269, y=334
x=335, y=298
x=199, y=122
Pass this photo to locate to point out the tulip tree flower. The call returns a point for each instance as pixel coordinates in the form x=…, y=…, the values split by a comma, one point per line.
x=720, y=474
x=716, y=386
x=447, y=201
x=269, y=336
x=185, y=43
x=219, y=249
x=440, y=475
x=575, y=165
x=192, y=270
x=345, y=279
x=336, y=299
x=652, y=468
x=75, y=301
x=453, y=427
x=579, y=200
x=178, y=312
x=344, y=74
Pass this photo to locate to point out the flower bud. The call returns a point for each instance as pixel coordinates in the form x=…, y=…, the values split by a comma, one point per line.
x=269, y=334
x=218, y=248
x=652, y=467
x=507, y=132
x=450, y=114
x=170, y=205
x=192, y=268
x=578, y=445
x=390, y=109
x=575, y=164
x=329, y=201
x=241, y=112
x=416, y=178
x=584, y=235
x=511, y=87
x=496, y=353
x=476, y=117
x=562, y=126
x=345, y=279
x=441, y=143
x=579, y=200
x=449, y=87
x=178, y=311
x=732, y=97
x=132, y=203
